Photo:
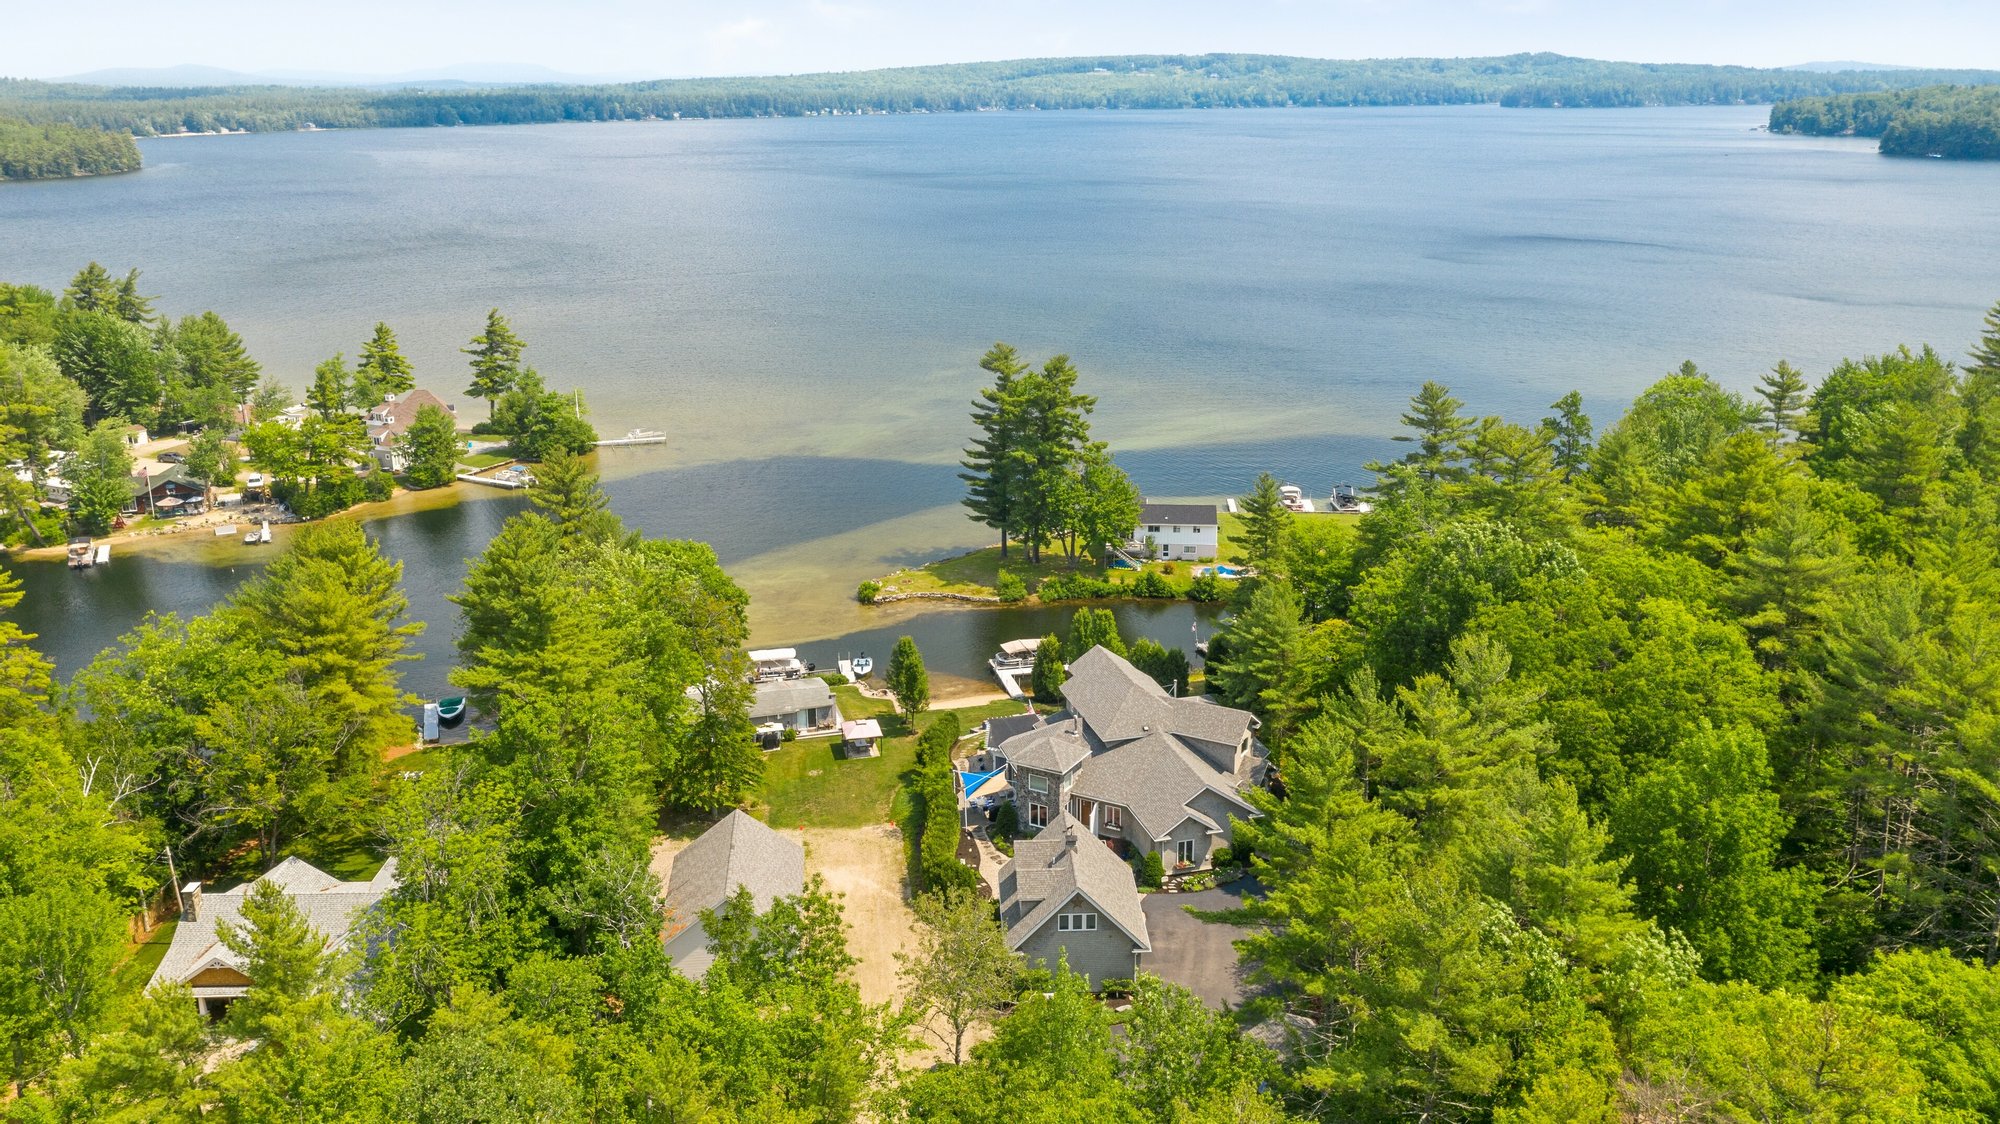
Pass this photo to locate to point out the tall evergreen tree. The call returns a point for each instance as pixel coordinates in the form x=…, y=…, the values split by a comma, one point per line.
x=1980, y=436
x=569, y=494
x=496, y=360
x=1050, y=671
x=1784, y=393
x=382, y=371
x=989, y=465
x=1441, y=433
x=1092, y=628
x=1053, y=433
x=332, y=390
x=92, y=290
x=1569, y=434
x=1265, y=519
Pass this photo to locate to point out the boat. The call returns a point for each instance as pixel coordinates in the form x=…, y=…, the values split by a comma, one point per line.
x=1294, y=498
x=863, y=665
x=264, y=535
x=1347, y=502
x=80, y=554
x=451, y=710
x=770, y=664
x=1015, y=654
x=252, y=538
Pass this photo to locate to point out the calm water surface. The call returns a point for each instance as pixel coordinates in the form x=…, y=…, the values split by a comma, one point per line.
x=800, y=303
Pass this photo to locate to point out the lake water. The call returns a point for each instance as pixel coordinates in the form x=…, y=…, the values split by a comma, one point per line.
x=800, y=303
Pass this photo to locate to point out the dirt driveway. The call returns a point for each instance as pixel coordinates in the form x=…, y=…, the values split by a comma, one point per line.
x=864, y=865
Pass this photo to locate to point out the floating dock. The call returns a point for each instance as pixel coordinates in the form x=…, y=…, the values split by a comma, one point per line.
x=636, y=437
x=103, y=554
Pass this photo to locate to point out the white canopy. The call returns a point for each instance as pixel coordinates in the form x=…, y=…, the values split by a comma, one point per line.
x=773, y=655
x=1020, y=647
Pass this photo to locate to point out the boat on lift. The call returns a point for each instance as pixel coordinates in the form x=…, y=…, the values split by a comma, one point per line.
x=863, y=666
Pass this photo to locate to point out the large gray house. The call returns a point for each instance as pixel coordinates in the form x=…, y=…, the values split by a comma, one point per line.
x=1136, y=766
x=1065, y=895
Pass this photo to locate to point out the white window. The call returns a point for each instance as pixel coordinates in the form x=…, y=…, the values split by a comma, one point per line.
x=1112, y=817
x=1185, y=851
x=1177, y=530
x=1037, y=783
x=1038, y=815
x=1155, y=529
x=1076, y=923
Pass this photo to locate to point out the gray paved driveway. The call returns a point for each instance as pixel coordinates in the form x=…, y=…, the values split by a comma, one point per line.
x=1193, y=953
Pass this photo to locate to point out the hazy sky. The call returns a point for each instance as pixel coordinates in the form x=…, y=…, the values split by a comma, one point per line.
x=630, y=38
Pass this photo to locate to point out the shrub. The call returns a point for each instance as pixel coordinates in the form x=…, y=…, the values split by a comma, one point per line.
x=488, y=429
x=1152, y=870
x=378, y=486
x=937, y=786
x=1115, y=988
x=1206, y=587
x=1006, y=823
x=1221, y=856
x=1076, y=587
x=1010, y=588
x=937, y=740
x=1166, y=567
x=1152, y=585
x=869, y=591
x=830, y=678
x=789, y=735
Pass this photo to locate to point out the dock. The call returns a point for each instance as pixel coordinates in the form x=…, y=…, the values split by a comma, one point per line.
x=510, y=476
x=636, y=437
x=103, y=554
x=1010, y=680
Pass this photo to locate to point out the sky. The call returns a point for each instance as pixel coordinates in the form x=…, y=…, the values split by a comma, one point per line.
x=676, y=38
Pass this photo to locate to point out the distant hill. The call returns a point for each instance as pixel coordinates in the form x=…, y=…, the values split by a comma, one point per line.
x=1101, y=82
x=1840, y=67
x=467, y=76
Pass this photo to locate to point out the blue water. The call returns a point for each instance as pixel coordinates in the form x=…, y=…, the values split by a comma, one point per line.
x=799, y=304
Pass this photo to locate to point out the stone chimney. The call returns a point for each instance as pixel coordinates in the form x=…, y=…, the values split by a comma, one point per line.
x=191, y=901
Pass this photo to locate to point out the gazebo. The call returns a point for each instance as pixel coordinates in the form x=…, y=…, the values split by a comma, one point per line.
x=861, y=738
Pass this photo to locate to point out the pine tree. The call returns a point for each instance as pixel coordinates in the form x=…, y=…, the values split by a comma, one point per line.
x=568, y=493
x=496, y=360
x=1093, y=628
x=1980, y=436
x=92, y=290
x=127, y=304
x=908, y=680
x=332, y=388
x=988, y=463
x=1569, y=434
x=1784, y=395
x=383, y=370
x=1265, y=520
x=1441, y=433
x=430, y=448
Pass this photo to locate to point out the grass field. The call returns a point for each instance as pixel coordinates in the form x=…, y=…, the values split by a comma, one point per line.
x=483, y=460
x=807, y=785
x=132, y=974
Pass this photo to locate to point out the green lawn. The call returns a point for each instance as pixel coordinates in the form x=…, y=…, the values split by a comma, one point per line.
x=136, y=970
x=806, y=785
x=483, y=460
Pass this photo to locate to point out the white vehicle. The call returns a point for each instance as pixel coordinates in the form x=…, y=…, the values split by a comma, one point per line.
x=254, y=480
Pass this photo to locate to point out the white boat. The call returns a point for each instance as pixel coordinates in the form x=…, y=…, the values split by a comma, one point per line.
x=264, y=535
x=1294, y=498
x=1015, y=654
x=103, y=553
x=863, y=666
x=767, y=664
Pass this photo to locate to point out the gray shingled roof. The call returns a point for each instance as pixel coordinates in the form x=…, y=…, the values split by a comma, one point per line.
x=330, y=906
x=1007, y=726
x=1056, y=747
x=1050, y=870
x=1158, y=779
x=1117, y=700
x=789, y=696
x=1200, y=514
x=737, y=851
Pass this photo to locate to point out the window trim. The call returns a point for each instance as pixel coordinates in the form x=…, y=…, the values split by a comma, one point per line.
x=1038, y=783
x=1184, y=847
x=1113, y=817
x=1078, y=922
x=1033, y=809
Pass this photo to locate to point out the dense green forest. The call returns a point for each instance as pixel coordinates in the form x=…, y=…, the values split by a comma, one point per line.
x=1955, y=122
x=1637, y=775
x=1113, y=82
x=51, y=149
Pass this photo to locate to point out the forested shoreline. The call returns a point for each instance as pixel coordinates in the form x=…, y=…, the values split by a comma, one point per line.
x=59, y=150
x=1111, y=82
x=1953, y=122
x=1642, y=774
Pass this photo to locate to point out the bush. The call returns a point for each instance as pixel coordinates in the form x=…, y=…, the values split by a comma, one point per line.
x=937, y=786
x=789, y=735
x=488, y=429
x=1166, y=567
x=1076, y=587
x=1152, y=585
x=869, y=591
x=1221, y=856
x=378, y=486
x=1115, y=988
x=1010, y=588
x=1006, y=824
x=1152, y=870
x=937, y=740
x=1206, y=587
x=830, y=678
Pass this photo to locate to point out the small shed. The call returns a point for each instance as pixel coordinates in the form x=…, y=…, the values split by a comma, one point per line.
x=802, y=704
x=861, y=738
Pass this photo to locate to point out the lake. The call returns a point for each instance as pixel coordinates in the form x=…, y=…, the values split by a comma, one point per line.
x=800, y=304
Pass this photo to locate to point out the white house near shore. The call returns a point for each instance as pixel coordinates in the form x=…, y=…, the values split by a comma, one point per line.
x=1189, y=532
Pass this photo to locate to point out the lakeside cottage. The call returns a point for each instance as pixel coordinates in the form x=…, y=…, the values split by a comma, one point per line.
x=198, y=958
x=1065, y=896
x=1189, y=532
x=739, y=851
x=391, y=419
x=804, y=705
x=1141, y=770
x=167, y=491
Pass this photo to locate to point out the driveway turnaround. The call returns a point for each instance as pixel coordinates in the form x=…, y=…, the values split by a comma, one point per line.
x=1193, y=953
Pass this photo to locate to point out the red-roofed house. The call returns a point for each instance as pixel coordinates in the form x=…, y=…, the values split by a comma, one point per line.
x=389, y=421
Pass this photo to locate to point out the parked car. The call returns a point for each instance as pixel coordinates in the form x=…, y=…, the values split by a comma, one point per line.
x=172, y=458
x=254, y=480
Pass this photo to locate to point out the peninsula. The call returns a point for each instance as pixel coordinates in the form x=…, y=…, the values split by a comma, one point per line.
x=1948, y=122
x=58, y=150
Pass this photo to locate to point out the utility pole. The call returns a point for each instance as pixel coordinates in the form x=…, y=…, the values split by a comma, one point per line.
x=179, y=906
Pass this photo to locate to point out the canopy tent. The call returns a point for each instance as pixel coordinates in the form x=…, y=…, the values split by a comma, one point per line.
x=974, y=785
